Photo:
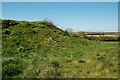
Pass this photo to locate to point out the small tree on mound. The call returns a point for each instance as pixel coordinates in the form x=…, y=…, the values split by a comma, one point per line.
x=48, y=23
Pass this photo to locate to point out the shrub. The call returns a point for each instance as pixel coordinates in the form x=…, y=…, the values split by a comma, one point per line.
x=82, y=34
x=75, y=35
x=8, y=23
x=66, y=33
x=11, y=68
x=51, y=25
x=119, y=38
x=48, y=23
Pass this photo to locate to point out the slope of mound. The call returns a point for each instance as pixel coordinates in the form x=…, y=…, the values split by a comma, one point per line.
x=39, y=50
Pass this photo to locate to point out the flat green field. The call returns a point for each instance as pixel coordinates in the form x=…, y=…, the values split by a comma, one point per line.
x=34, y=50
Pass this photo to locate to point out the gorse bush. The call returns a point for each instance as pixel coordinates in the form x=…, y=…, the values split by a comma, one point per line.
x=51, y=25
x=66, y=33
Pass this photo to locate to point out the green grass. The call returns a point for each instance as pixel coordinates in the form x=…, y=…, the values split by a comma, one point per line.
x=30, y=50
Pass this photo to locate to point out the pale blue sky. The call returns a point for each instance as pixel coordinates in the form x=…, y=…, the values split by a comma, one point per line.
x=80, y=16
x=60, y=0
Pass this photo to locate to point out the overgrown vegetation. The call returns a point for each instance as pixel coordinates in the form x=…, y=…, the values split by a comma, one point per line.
x=103, y=38
x=41, y=50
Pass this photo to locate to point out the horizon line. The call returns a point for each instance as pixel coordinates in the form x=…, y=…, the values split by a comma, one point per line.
x=58, y=26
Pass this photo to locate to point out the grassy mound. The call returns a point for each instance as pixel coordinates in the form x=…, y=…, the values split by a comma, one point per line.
x=41, y=50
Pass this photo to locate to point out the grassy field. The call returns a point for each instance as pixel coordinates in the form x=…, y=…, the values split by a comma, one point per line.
x=37, y=50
